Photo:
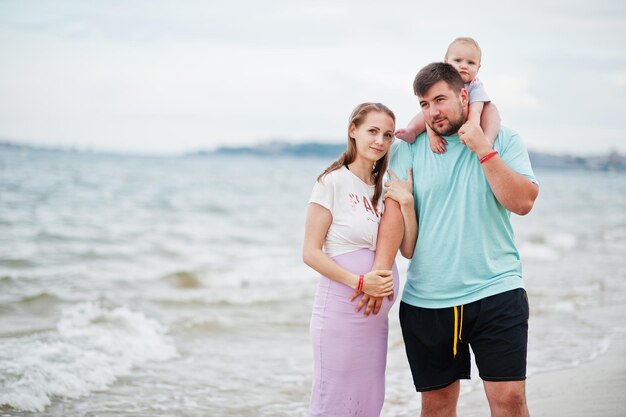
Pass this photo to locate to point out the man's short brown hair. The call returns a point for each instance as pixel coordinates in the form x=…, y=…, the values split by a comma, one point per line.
x=431, y=74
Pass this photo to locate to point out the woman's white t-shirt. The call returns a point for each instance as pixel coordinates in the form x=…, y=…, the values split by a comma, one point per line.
x=355, y=219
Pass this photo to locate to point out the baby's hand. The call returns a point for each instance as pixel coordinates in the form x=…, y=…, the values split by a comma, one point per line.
x=437, y=143
x=406, y=135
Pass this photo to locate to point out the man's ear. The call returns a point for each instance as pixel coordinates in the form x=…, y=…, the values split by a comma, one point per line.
x=463, y=95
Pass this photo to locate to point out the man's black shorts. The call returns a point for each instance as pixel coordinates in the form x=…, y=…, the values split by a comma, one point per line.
x=495, y=327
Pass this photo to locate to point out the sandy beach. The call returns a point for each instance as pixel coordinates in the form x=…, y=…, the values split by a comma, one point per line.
x=594, y=388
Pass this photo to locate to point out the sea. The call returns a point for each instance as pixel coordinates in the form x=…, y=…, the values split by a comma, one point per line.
x=174, y=286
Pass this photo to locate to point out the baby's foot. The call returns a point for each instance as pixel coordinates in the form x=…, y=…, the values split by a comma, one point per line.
x=406, y=135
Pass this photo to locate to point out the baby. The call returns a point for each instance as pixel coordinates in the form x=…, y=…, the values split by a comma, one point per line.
x=464, y=55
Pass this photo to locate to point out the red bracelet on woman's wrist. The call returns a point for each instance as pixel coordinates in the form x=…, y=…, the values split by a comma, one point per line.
x=359, y=287
x=488, y=156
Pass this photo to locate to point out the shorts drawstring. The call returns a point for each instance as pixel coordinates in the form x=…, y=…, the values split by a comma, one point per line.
x=458, y=324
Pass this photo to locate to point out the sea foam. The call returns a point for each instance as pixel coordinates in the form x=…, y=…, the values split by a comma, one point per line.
x=90, y=348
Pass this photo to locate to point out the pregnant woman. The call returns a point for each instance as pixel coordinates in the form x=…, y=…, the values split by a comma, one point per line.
x=343, y=215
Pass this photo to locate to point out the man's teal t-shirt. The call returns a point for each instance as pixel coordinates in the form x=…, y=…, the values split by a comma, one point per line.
x=465, y=249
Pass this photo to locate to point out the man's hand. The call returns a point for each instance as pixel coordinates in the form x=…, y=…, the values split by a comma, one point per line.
x=401, y=191
x=472, y=136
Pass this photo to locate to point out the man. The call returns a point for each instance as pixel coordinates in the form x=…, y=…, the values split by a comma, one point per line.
x=464, y=283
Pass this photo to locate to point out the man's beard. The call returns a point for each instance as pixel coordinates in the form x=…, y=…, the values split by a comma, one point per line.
x=455, y=124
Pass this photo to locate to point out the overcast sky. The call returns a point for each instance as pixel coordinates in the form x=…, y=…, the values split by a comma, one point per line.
x=163, y=76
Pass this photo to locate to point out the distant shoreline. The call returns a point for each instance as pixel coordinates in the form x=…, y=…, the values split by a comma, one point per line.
x=612, y=161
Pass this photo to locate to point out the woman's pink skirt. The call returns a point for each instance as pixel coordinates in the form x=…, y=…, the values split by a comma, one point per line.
x=349, y=348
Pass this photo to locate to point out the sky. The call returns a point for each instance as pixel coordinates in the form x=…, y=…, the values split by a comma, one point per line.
x=171, y=77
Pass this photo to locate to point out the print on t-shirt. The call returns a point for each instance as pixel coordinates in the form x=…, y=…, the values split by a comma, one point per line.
x=355, y=201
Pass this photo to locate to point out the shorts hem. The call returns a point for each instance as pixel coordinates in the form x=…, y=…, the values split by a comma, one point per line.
x=502, y=379
x=440, y=386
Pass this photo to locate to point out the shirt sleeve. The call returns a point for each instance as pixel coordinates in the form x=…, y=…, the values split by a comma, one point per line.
x=477, y=92
x=323, y=192
x=513, y=152
x=401, y=159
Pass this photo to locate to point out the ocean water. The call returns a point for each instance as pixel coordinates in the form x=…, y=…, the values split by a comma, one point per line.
x=137, y=286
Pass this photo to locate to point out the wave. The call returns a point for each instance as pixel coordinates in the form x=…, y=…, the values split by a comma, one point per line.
x=547, y=247
x=203, y=325
x=227, y=297
x=40, y=298
x=184, y=279
x=91, y=347
x=6, y=279
x=552, y=357
x=49, y=236
x=566, y=298
x=17, y=262
x=615, y=234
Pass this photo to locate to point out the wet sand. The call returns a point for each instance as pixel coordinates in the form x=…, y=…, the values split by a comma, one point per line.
x=594, y=388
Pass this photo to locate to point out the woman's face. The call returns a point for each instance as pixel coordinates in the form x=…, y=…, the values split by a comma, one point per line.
x=374, y=136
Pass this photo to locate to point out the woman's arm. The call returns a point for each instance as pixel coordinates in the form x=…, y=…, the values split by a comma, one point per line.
x=318, y=220
x=392, y=225
x=402, y=192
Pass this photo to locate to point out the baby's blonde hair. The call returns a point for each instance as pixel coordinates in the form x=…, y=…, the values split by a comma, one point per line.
x=467, y=40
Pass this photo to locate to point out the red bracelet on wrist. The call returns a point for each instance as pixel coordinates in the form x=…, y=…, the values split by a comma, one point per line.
x=359, y=287
x=488, y=156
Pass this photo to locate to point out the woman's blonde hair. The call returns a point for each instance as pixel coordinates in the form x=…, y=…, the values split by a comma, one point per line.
x=357, y=118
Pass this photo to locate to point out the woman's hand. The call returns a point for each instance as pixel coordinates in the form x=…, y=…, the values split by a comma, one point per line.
x=378, y=283
x=401, y=191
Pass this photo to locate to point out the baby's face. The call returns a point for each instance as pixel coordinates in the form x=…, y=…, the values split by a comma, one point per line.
x=465, y=58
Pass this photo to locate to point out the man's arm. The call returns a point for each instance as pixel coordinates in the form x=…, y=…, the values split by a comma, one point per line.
x=513, y=190
x=390, y=234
